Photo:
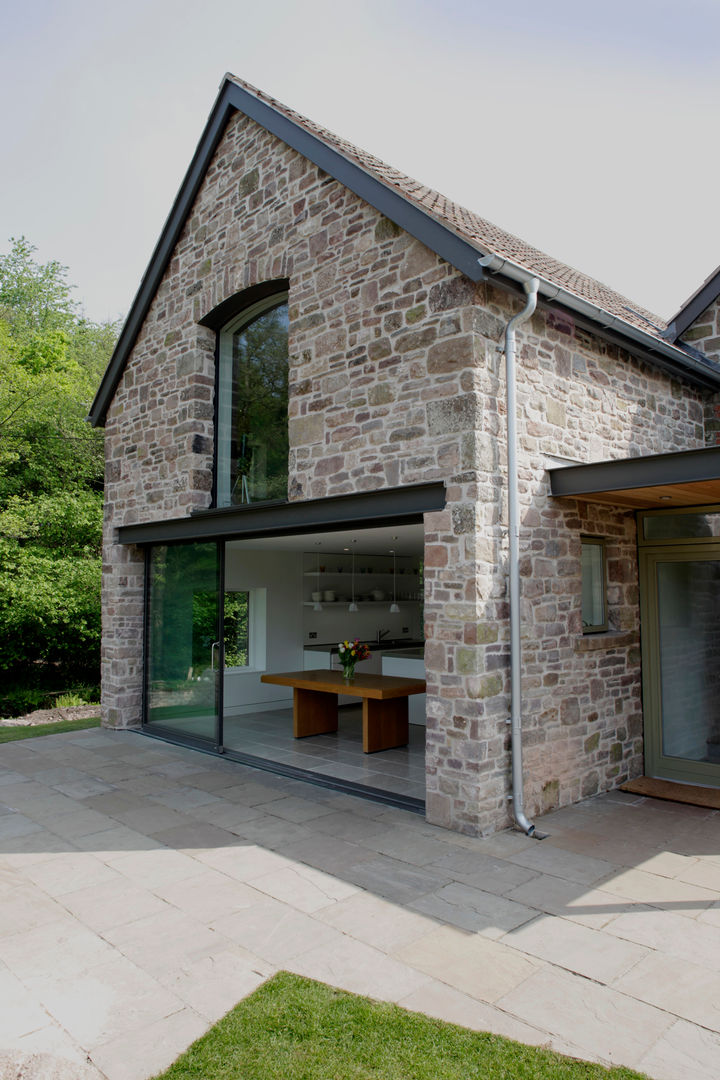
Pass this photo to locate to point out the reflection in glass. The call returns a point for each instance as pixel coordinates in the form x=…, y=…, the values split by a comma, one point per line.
x=689, y=624
x=253, y=407
x=681, y=526
x=182, y=647
x=593, y=585
x=236, y=620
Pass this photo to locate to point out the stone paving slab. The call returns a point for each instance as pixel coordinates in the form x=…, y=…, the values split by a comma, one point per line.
x=144, y=889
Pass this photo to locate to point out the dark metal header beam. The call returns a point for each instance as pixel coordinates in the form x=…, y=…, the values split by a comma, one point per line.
x=658, y=470
x=398, y=506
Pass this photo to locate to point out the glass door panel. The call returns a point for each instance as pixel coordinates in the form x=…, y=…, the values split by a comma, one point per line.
x=184, y=654
x=683, y=732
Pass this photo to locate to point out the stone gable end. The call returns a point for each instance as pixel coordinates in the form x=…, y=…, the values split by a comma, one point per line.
x=704, y=334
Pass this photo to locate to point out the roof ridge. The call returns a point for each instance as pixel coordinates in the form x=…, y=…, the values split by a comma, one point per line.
x=473, y=227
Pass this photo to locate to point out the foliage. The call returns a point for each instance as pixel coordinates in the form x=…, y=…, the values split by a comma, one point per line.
x=51, y=476
x=70, y=700
x=296, y=1029
x=237, y=629
x=18, y=700
x=259, y=406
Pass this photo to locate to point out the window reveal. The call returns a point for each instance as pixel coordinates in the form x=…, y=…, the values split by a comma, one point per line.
x=252, y=436
x=594, y=592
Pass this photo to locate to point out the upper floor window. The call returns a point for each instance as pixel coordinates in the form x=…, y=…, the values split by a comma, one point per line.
x=252, y=407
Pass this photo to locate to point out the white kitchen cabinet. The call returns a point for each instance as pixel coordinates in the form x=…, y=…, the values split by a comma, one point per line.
x=408, y=664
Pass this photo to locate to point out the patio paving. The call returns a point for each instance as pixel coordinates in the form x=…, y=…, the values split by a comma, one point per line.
x=145, y=888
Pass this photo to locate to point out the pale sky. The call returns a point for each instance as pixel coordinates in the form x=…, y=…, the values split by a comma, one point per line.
x=589, y=130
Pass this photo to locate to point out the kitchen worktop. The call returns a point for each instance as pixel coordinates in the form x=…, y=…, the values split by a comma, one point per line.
x=408, y=654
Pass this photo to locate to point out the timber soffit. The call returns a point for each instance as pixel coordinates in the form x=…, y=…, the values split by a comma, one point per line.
x=457, y=235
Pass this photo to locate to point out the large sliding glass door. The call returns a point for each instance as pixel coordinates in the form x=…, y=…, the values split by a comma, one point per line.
x=184, y=651
x=220, y=614
x=681, y=651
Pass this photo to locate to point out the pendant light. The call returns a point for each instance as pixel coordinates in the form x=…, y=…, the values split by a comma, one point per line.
x=317, y=606
x=353, y=606
x=394, y=607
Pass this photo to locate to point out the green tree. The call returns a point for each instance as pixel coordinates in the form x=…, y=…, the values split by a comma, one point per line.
x=51, y=475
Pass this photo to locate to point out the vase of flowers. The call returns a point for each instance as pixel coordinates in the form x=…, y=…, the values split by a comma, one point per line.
x=350, y=652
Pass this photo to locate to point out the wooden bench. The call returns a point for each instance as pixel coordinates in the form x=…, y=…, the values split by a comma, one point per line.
x=384, y=702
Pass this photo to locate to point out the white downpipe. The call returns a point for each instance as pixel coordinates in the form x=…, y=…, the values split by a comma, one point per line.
x=531, y=288
x=496, y=264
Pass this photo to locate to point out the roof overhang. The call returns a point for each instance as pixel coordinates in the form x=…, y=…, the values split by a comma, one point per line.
x=694, y=306
x=231, y=99
x=417, y=221
x=688, y=478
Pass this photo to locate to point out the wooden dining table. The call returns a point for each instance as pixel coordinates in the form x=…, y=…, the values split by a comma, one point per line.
x=384, y=704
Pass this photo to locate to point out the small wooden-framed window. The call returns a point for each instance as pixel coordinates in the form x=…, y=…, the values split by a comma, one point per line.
x=594, y=585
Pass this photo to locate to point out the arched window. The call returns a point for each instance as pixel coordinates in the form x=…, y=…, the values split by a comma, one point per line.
x=252, y=404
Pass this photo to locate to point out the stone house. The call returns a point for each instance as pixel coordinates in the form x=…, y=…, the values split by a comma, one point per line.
x=306, y=440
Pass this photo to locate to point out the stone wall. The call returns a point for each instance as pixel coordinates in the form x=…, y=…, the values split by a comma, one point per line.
x=396, y=379
x=704, y=334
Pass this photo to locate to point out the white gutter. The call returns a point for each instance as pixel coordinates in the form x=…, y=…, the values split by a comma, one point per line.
x=531, y=288
x=497, y=264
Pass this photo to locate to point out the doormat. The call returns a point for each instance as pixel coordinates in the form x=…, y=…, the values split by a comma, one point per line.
x=672, y=792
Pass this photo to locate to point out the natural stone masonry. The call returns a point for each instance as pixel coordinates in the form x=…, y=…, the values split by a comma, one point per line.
x=396, y=379
x=704, y=334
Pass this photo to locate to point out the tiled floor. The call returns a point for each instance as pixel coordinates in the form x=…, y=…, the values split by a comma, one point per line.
x=145, y=888
x=338, y=756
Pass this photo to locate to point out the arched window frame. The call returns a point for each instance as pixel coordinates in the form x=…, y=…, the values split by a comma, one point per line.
x=226, y=319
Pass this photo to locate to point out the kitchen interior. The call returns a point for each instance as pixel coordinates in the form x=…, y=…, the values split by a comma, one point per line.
x=305, y=594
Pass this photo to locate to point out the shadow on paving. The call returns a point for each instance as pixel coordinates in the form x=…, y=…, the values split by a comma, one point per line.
x=144, y=888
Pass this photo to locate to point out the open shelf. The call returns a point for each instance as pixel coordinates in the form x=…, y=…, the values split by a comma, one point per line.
x=360, y=603
x=365, y=574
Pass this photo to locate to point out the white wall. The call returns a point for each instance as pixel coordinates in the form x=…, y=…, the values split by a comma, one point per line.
x=280, y=573
x=335, y=623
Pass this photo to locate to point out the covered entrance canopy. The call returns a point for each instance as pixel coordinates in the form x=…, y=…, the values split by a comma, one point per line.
x=688, y=478
x=678, y=496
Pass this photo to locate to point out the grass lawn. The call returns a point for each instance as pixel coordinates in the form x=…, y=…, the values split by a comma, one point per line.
x=296, y=1029
x=10, y=734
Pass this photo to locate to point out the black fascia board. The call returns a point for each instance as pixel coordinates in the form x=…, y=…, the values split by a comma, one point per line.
x=696, y=370
x=691, y=365
x=694, y=307
x=656, y=470
x=439, y=238
x=160, y=258
x=397, y=506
